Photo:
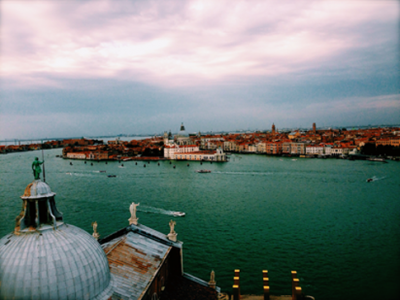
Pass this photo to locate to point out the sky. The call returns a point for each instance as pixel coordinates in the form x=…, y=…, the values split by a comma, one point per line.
x=92, y=68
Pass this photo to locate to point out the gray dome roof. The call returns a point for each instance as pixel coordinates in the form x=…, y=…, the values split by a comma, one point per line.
x=182, y=132
x=37, y=189
x=53, y=264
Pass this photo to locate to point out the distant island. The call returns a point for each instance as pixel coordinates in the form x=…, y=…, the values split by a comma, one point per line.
x=322, y=143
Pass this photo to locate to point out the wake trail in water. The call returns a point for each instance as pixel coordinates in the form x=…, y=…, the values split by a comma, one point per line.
x=246, y=173
x=374, y=178
x=80, y=174
x=155, y=210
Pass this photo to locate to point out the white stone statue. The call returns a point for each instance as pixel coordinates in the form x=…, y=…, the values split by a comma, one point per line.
x=172, y=234
x=212, y=276
x=212, y=282
x=172, y=226
x=95, y=234
x=132, y=209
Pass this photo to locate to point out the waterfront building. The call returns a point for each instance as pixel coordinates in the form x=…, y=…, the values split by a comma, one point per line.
x=45, y=258
x=77, y=155
x=261, y=147
x=328, y=149
x=395, y=142
x=98, y=155
x=274, y=148
x=286, y=148
x=205, y=155
x=211, y=143
x=340, y=151
x=183, y=148
x=298, y=148
x=89, y=155
x=314, y=150
x=229, y=145
x=170, y=151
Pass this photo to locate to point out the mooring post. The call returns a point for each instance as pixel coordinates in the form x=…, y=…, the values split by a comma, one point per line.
x=295, y=283
x=236, y=294
x=236, y=286
x=266, y=292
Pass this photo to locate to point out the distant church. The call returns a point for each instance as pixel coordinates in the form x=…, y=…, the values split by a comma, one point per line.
x=46, y=258
x=181, y=139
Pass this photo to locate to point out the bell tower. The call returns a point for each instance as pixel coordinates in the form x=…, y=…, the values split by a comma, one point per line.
x=165, y=138
x=273, y=128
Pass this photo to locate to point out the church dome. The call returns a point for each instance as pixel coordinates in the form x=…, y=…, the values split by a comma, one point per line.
x=44, y=258
x=37, y=189
x=182, y=132
x=66, y=263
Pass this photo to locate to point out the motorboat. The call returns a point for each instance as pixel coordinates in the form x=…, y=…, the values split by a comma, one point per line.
x=369, y=180
x=102, y=171
x=203, y=171
x=377, y=159
x=178, y=214
x=111, y=175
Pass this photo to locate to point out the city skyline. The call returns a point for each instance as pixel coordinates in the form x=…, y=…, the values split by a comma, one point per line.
x=94, y=68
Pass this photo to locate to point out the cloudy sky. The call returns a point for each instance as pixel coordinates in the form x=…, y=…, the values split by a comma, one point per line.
x=86, y=68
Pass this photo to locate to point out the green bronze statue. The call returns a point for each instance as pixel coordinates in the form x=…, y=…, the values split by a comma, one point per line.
x=36, y=168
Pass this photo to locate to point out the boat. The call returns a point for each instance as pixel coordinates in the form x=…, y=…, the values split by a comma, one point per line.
x=102, y=171
x=111, y=175
x=377, y=159
x=203, y=171
x=178, y=214
x=369, y=180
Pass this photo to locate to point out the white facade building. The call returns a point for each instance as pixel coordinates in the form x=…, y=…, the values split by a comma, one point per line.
x=76, y=155
x=315, y=150
x=171, y=150
x=206, y=155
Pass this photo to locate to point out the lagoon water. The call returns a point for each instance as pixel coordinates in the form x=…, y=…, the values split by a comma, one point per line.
x=318, y=217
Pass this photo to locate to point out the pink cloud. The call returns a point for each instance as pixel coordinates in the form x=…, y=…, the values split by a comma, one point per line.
x=192, y=42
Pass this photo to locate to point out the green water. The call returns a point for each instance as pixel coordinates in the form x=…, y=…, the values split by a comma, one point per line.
x=318, y=217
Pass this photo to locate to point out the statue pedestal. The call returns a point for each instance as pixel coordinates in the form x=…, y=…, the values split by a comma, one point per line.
x=172, y=236
x=133, y=221
x=212, y=284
